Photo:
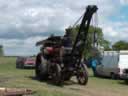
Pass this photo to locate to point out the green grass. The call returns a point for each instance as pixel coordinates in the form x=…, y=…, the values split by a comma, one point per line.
x=23, y=78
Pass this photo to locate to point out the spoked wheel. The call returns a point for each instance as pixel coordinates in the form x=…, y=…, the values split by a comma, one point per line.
x=57, y=75
x=41, y=69
x=82, y=75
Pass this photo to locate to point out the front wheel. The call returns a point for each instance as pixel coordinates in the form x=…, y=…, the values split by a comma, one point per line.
x=82, y=75
x=57, y=74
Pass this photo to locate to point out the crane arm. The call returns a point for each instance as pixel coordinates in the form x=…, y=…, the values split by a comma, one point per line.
x=81, y=38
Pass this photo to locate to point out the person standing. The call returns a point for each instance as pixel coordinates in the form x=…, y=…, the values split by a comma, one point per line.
x=93, y=65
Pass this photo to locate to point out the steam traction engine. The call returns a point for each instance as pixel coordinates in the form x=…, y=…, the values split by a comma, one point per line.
x=60, y=62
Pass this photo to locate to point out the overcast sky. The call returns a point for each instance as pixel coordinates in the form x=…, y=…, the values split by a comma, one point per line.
x=24, y=22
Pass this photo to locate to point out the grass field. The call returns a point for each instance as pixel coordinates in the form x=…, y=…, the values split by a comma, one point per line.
x=23, y=78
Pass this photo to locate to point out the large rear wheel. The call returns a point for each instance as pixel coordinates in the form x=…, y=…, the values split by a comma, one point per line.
x=41, y=69
x=82, y=75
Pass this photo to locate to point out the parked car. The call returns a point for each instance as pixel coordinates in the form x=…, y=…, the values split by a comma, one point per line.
x=20, y=62
x=113, y=64
x=25, y=62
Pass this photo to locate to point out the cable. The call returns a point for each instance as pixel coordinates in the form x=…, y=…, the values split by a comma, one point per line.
x=78, y=20
x=95, y=25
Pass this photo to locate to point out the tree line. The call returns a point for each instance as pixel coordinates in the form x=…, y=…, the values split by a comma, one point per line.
x=1, y=50
x=99, y=39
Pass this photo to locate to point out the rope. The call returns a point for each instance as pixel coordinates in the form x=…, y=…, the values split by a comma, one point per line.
x=95, y=25
x=78, y=20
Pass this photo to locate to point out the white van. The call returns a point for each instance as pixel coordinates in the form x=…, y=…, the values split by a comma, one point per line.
x=113, y=64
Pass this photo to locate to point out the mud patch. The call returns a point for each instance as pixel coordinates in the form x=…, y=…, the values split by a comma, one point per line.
x=4, y=79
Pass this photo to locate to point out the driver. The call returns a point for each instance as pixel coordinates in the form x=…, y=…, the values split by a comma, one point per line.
x=67, y=40
x=66, y=43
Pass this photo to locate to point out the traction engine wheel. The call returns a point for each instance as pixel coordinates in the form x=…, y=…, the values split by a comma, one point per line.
x=40, y=69
x=82, y=75
x=57, y=78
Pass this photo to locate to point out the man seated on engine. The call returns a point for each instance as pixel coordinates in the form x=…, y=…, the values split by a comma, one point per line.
x=66, y=43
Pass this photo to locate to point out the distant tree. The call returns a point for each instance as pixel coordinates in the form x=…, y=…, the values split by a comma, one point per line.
x=1, y=50
x=90, y=40
x=120, y=45
x=106, y=45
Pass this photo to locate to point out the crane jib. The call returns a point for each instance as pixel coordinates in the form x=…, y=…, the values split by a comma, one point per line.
x=81, y=38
